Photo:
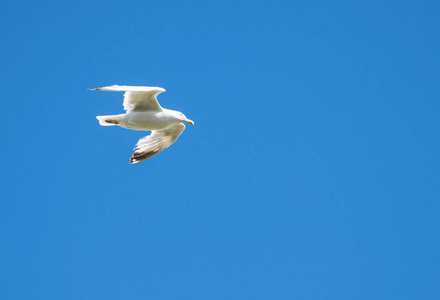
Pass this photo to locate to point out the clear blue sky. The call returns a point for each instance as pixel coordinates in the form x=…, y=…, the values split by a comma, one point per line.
x=312, y=171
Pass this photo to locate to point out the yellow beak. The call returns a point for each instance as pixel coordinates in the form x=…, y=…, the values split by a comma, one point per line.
x=189, y=121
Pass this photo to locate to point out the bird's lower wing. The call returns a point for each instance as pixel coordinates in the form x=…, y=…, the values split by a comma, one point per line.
x=154, y=143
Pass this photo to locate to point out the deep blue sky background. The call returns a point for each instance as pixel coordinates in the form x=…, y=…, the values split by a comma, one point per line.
x=312, y=171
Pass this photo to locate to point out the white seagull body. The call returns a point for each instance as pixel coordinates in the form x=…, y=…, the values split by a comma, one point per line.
x=145, y=113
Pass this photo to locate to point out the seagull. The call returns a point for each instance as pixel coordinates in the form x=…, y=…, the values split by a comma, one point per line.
x=145, y=113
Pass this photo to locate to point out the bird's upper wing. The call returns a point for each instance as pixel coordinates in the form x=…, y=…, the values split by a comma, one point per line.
x=137, y=98
x=158, y=140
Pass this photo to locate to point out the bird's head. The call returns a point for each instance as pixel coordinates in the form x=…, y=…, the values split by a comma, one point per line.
x=183, y=118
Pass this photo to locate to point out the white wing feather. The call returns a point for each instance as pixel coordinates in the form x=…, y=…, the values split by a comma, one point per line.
x=137, y=98
x=157, y=141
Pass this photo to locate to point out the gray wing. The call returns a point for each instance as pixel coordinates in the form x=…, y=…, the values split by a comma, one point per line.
x=158, y=140
x=137, y=98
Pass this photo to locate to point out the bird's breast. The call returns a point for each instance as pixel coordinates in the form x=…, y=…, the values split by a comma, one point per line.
x=145, y=121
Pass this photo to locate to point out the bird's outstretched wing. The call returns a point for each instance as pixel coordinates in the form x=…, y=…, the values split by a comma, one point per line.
x=158, y=140
x=137, y=98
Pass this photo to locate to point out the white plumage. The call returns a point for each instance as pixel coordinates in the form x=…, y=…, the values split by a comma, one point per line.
x=145, y=113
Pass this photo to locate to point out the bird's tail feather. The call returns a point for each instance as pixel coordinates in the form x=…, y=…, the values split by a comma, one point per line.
x=110, y=120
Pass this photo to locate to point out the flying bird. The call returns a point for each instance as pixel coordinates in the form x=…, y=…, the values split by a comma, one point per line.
x=145, y=113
